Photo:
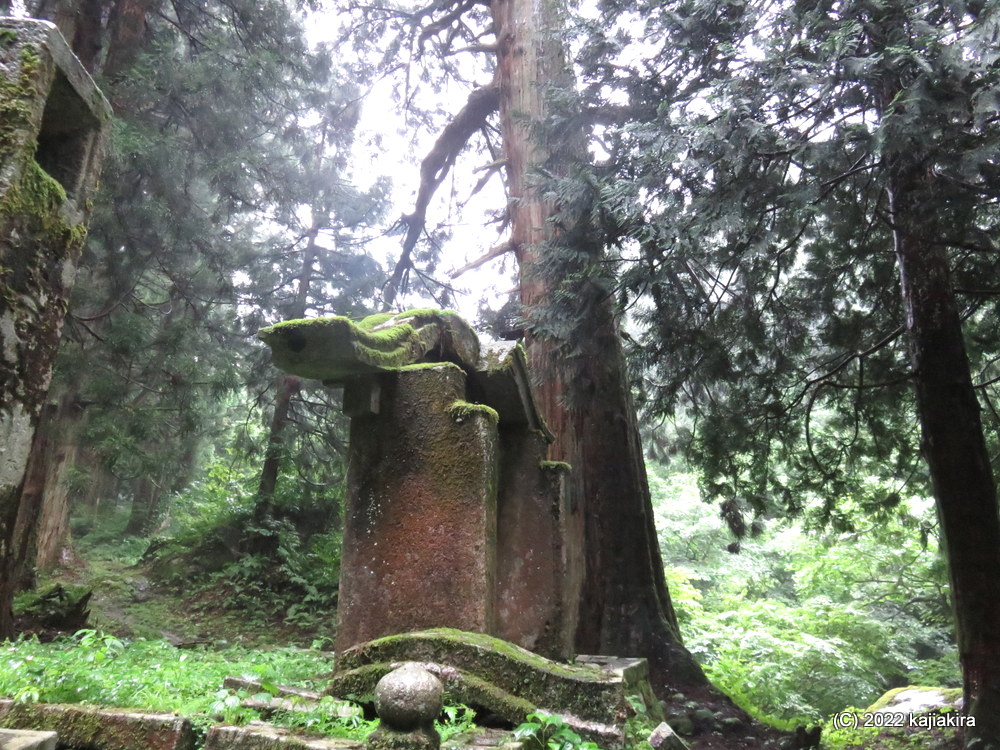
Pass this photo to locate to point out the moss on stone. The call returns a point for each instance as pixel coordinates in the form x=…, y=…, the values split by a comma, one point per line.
x=333, y=349
x=948, y=695
x=41, y=237
x=430, y=366
x=585, y=691
x=385, y=738
x=100, y=729
x=462, y=410
x=554, y=466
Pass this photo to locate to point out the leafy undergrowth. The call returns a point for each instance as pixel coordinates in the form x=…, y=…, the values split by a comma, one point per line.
x=131, y=658
x=849, y=733
x=154, y=675
x=129, y=603
x=97, y=669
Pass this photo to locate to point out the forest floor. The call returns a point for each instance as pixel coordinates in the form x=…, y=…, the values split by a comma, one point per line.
x=128, y=604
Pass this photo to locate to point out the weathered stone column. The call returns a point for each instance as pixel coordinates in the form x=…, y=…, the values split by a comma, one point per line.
x=420, y=519
x=52, y=120
x=453, y=518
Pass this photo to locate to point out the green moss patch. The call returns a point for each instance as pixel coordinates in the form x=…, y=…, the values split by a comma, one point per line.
x=335, y=349
x=460, y=411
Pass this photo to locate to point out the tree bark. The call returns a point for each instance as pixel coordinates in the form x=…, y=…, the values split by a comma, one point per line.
x=288, y=386
x=43, y=521
x=953, y=443
x=127, y=34
x=625, y=606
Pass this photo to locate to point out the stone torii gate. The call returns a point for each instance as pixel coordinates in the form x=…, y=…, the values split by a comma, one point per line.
x=453, y=516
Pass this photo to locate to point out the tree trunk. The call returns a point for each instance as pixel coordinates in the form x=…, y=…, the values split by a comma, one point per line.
x=127, y=35
x=43, y=522
x=287, y=387
x=952, y=442
x=146, y=501
x=625, y=607
x=101, y=484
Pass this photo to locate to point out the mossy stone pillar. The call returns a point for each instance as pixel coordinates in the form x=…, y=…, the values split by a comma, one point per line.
x=420, y=519
x=52, y=121
x=453, y=517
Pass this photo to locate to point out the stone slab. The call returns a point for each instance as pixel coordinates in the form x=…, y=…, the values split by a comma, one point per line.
x=100, y=729
x=536, y=608
x=259, y=736
x=504, y=382
x=507, y=680
x=335, y=349
x=23, y=739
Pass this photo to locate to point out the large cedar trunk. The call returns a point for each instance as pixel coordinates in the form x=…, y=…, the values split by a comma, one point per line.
x=952, y=442
x=625, y=607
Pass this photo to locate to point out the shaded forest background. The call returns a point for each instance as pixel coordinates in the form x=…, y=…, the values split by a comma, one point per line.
x=742, y=160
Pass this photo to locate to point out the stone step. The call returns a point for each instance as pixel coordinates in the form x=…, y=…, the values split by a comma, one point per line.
x=260, y=736
x=100, y=729
x=287, y=699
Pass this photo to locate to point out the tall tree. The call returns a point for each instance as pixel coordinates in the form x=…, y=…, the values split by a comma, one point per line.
x=795, y=188
x=583, y=388
x=573, y=342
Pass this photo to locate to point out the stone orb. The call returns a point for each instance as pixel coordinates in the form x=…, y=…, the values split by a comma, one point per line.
x=408, y=698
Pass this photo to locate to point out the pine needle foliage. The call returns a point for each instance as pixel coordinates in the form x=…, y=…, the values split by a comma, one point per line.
x=743, y=182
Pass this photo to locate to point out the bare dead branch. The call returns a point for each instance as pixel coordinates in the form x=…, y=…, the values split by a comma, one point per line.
x=493, y=252
x=482, y=102
x=487, y=48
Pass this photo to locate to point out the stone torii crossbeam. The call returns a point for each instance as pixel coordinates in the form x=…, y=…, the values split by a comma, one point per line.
x=453, y=516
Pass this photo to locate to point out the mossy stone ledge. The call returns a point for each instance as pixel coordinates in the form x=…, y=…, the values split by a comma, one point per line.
x=594, y=697
x=86, y=728
x=335, y=349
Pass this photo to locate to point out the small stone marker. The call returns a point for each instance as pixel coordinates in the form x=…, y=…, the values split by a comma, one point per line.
x=407, y=701
x=16, y=739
